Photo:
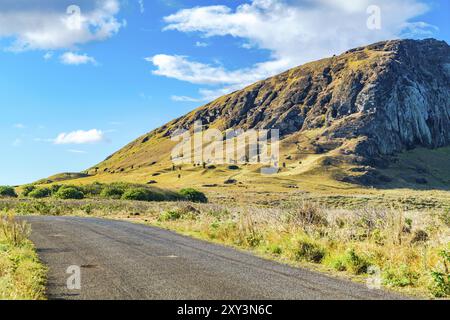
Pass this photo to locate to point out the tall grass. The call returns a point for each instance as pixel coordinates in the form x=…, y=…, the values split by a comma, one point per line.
x=22, y=276
x=409, y=248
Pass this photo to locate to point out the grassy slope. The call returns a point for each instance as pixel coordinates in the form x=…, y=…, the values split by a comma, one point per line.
x=304, y=174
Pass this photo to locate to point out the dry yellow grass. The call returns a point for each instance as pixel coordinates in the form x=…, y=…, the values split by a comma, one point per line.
x=22, y=276
x=407, y=247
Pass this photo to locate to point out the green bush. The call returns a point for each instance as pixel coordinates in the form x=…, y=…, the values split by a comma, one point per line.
x=353, y=262
x=194, y=195
x=69, y=193
x=27, y=190
x=6, y=191
x=169, y=216
x=309, y=251
x=40, y=193
x=142, y=194
x=274, y=249
x=400, y=277
x=55, y=188
x=440, y=286
x=112, y=192
x=93, y=189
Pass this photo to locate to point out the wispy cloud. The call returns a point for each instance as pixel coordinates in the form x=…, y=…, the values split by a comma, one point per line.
x=201, y=44
x=80, y=137
x=77, y=151
x=185, y=99
x=184, y=69
x=17, y=142
x=141, y=6
x=71, y=58
x=48, y=55
x=19, y=126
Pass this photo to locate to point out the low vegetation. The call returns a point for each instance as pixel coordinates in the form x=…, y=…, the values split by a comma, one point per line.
x=194, y=195
x=22, y=276
x=124, y=191
x=403, y=250
x=7, y=192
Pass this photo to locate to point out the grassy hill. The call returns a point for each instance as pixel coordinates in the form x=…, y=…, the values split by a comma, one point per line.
x=336, y=125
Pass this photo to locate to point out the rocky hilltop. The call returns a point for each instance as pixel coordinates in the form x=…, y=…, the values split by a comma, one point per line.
x=361, y=108
x=391, y=96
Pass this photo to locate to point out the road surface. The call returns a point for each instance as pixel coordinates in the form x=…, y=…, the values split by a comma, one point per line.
x=121, y=260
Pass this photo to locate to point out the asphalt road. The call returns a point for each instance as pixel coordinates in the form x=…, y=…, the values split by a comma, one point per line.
x=120, y=260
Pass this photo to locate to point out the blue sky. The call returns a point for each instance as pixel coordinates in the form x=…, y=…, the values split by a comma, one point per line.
x=77, y=87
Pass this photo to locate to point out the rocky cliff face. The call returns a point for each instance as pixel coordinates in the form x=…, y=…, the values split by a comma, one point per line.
x=387, y=97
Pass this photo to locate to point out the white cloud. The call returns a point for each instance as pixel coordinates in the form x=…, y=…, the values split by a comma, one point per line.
x=201, y=44
x=80, y=137
x=19, y=126
x=293, y=31
x=76, y=151
x=76, y=59
x=52, y=25
x=48, y=55
x=17, y=142
x=181, y=68
x=185, y=99
x=141, y=6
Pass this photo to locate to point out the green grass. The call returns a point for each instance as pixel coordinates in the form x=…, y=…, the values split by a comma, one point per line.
x=22, y=276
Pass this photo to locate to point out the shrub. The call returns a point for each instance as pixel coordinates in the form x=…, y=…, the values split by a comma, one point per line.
x=194, y=195
x=353, y=262
x=27, y=190
x=274, y=249
x=55, y=188
x=69, y=193
x=440, y=286
x=169, y=216
x=112, y=192
x=254, y=239
x=307, y=214
x=93, y=189
x=40, y=193
x=142, y=194
x=309, y=251
x=6, y=191
x=400, y=277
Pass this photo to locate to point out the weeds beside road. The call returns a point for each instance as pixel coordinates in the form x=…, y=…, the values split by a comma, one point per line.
x=404, y=250
x=22, y=276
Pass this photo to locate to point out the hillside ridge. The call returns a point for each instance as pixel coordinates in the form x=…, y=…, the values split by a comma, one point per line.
x=360, y=108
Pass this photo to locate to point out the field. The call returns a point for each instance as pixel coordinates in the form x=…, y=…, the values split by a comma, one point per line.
x=403, y=250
